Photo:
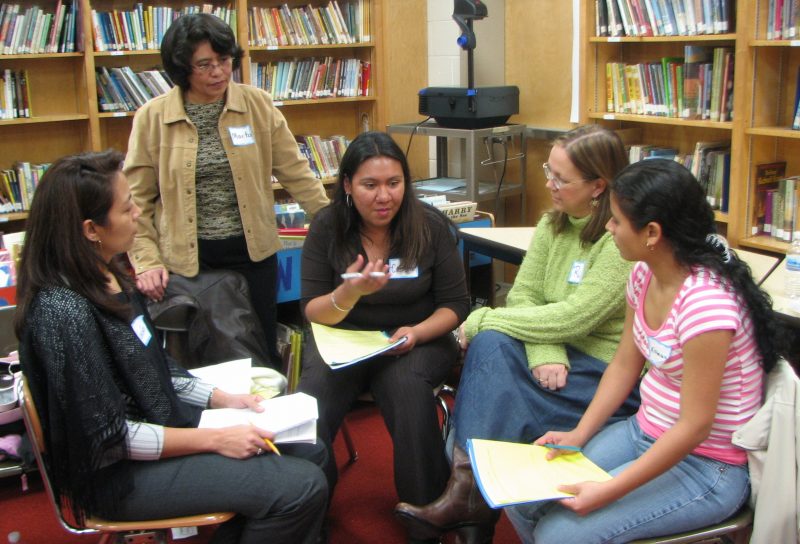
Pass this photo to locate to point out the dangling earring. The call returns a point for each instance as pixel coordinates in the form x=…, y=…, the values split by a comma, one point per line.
x=349, y=200
x=99, y=243
x=650, y=246
x=595, y=202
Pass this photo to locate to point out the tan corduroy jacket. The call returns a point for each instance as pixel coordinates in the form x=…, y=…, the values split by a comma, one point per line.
x=160, y=166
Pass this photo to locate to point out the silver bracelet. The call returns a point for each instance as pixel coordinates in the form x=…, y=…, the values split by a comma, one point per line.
x=333, y=301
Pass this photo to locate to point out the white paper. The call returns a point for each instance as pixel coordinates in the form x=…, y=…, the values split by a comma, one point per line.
x=292, y=418
x=232, y=377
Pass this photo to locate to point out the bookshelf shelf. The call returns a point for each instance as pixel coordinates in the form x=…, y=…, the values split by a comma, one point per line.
x=325, y=181
x=13, y=216
x=322, y=101
x=777, y=132
x=664, y=39
x=39, y=56
x=127, y=53
x=323, y=47
x=774, y=43
x=658, y=120
x=764, y=243
x=61, y=118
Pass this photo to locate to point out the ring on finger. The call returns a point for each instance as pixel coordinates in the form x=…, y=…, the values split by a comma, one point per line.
x=259, y=451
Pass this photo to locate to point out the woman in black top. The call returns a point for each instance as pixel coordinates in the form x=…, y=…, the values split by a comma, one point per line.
x=376, y=224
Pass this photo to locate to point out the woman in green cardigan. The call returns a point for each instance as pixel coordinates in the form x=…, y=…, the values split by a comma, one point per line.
x=535, y=364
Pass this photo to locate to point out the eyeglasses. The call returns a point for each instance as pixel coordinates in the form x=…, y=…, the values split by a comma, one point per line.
x=207, y=66
x=558, y=183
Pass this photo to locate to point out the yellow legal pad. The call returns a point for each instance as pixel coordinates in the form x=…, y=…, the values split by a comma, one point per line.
x=341, y=347
x=510, y=473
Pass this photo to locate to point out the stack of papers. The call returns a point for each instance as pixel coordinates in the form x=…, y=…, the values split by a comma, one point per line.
x=292, y=418
x=509, y=473
x=341, y=347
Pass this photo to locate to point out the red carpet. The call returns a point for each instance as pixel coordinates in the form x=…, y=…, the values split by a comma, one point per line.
x=361, y=512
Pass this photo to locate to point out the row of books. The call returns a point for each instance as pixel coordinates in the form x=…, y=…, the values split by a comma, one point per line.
x=144, y=26
x=308, y=25
x=15, y=99
x=323, y=154
x=709, y=163
x=122, y=89
x=783, y=19
x=694, y=87
x=777, y=206
x=34, y=30
x=312, y=78
x=663, y=17
x=18, y=184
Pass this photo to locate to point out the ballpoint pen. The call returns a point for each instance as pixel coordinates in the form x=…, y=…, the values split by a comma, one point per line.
x=562, y=447
x=354, y=275
x=272, y=446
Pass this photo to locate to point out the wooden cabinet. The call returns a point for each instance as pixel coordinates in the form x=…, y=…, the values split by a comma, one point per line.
x=679, y=133
x=66, y=117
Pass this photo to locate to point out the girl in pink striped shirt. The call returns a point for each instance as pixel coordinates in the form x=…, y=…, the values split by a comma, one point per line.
x=707, y=334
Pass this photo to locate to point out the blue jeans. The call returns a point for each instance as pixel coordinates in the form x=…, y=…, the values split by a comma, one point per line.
x=696, y=492
x=498, y=399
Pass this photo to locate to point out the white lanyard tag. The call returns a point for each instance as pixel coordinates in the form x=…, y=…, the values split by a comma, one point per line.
x=140, y=328
x=576, y=272
x=398, y=273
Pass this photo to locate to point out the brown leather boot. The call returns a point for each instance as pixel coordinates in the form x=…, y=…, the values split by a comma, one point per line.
x=461, y=504
x=482, y=533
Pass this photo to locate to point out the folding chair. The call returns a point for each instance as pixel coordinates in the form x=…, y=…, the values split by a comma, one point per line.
x=111, y=532
x=736, y=530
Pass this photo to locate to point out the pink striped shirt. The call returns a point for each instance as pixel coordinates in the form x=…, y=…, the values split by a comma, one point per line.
x=704, y=303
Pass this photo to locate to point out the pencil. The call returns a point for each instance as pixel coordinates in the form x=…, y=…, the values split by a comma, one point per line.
x=272, y=446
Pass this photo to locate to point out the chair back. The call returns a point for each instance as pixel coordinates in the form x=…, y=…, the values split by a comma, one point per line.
x=33, y=425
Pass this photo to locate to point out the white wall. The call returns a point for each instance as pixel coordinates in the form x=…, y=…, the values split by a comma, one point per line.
x=447, y=62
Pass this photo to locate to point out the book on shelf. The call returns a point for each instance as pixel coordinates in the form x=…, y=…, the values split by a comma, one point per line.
x=695, y=57
x=766, y=180
x=15, y=101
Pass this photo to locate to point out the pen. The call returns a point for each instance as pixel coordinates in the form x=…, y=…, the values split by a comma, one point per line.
x=562, y=447
x=354, y=275
x=272, y=446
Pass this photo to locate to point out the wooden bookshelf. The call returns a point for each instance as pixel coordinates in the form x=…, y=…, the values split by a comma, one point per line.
x=675, y=132
x=66, y=118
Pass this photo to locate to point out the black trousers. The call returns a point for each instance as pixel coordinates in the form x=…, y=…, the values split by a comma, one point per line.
x=277, y=499
x=262, y=281
x=403, y=390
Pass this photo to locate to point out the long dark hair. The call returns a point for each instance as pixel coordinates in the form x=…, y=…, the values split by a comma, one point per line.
x=664, y=192
x=185, y=34
x=56, y=252
x=596, y=152
x=409, y=233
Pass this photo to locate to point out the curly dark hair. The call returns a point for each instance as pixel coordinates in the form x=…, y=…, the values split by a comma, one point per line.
x=664, y=192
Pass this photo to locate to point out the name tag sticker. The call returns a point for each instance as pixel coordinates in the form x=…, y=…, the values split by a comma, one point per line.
x=242, y=135
x=141, y=330
x=576, y=272
x=398, y=273
x=657, y=352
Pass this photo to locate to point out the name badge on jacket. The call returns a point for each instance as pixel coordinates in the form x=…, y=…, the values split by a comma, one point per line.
x=140, y=328
x=657, y=351
x=242, y=135
x=576, y=272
